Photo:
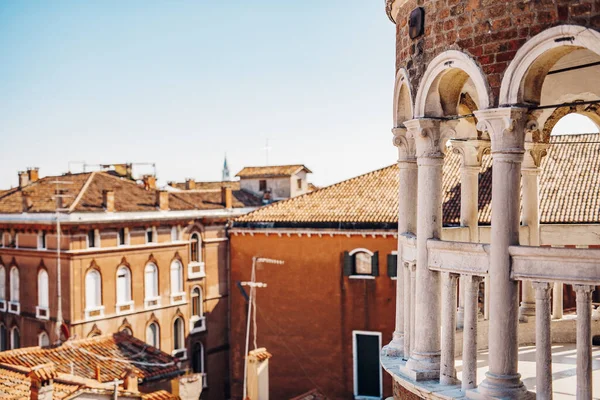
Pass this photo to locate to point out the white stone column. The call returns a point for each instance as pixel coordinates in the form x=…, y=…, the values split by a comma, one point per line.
x=469, y=377
x=447, y=369
x=557, y=300
x=584, y=341
x=471, y=151
x=413, y=295
x=408, y=306
x=407, y=175
x=506, y=130
x=543, y=341
x=424, y=361
x=530, y=172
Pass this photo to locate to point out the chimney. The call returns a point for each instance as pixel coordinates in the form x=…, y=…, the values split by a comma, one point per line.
x=162, y=200
x=149, y=182
x=33, y=174
x=42, y=379
x=190, y=184
x=108, y=200
x=258, y=374
x=188, y=387
x=130, y=379
x=27, y=202
x=97, y=376
x=226, y=196
x=23, y=178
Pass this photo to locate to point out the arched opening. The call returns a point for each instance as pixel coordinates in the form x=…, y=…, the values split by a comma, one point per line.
x=150, y=282
x=93, y=289
x=2, y=283
x=198, y=358
x=195, y=254
x=403, y=105
x=43, y=340
x=574, y=124
x=153, y=335
x=3, y=338
x=15, y=338
x=176, y=277
x=43, y=295
x=14, y=285
x=123, y=285
x=197, y=302
x=178, y=334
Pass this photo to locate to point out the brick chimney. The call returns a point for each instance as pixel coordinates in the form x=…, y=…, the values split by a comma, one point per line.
x=33, y=174
x=97, y=374
x=108, y=200
x=149, y=182
x=190, y=184
x=27, y=202
x=42, y=379
x=130, y=379
x=226, y=196
x=162, y=200
x=23, y=178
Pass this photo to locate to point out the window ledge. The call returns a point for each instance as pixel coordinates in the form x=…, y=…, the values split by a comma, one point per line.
x=42, y=312
x=201, y=324
x=181, y=354
x=177, y=298
x=196, y=270
x=14, y=307
x=361, y=277
x=125, y=308
x=94, y=313
x=204, y=380
x=152, y=302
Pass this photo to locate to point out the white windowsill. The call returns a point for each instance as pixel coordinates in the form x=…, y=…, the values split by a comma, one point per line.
x=14, y=307
x=98, y=312
x=129, y=310
x=184, y=351
x=177, y=295
x=195, y=265
x=200, y=328
x=363, y=277
x=42, y=310
x=147, y=302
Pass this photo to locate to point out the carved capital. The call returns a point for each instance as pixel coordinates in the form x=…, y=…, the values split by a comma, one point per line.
x=542, y=290
x=534, y=152
x=405, y=142
x=584, y=293
x=506, y=128
x=471, y=151
x=430, y=136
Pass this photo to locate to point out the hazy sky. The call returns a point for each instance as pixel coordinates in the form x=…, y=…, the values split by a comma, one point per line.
x=180, y=83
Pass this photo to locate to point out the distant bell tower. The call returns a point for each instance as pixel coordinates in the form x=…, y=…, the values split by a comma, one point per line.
x=225, y=170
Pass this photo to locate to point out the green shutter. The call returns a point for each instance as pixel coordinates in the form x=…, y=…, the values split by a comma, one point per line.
x=392, y=265
x=348, y=267
x=375, y=264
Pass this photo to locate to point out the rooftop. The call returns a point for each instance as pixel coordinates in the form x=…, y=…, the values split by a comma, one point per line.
x=272, y=171
x=569, y=193
x=206, y=186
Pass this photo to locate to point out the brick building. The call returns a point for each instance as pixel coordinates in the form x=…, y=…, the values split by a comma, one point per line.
x=133, y=258
x=329, y=309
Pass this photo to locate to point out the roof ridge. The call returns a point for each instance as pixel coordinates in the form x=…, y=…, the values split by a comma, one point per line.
x=85, y=186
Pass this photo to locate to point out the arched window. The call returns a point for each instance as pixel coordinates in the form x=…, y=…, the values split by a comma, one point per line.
x=43, y=297
x=153, y=335
x=123, y=285
x=14, y=285
x=574, y=124
x=198, y=358
x=127, y=331
x=151, y=281
x=178, y=334
x=197, y=302
x=93, y=289
x=195, y=247
x=43, y=340
x=176, y=277
x=2, y=283
x=15, y=338
x=3, y=338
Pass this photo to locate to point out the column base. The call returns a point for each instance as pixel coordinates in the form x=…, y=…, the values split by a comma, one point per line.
x=501, y=387
x=395, y=348
x=422, y=366
x=526, y=310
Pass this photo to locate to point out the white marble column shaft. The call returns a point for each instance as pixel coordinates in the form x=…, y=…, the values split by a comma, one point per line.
x=407, y=309
x=448, y=371
x=543, y=341
x=584, y=341
x=557, y=300
x=469, y=377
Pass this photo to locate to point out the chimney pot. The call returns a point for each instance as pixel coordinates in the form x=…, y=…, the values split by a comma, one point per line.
x=23, y=179
x=42, y=378
x=130, y=380
x=227, y=196
x=33, y=174
x=162, y=200
x=108, y=200
x=27, y=202
x=190, y=184
x=149, y=182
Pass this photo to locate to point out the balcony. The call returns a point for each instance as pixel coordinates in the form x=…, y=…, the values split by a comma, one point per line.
x=196, y=270
x=197, y=324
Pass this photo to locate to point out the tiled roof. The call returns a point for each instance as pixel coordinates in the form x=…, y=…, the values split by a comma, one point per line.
x=84, y=194
x=234, y=185
x=271, y=171
x=87, y=354
x=314, y=394
x=159, y=395
x=569, y=193
x=15, y=384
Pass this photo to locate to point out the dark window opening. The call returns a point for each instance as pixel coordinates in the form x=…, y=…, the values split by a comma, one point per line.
x=91, y=238
x=361, y=263
x=262, y=185
x=122, y=236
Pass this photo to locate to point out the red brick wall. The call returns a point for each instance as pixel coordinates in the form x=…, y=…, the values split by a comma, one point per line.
x=490, y=31
x=309, y=310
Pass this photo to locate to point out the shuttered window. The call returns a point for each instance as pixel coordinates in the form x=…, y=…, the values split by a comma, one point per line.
x=392, y=265
x=361, y=263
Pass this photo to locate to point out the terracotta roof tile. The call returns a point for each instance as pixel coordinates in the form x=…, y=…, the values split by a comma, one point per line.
x=271, y=171
x=17, y=385
x=234, y=185
x=86, y=354
x=569, y=192
x=159, y=395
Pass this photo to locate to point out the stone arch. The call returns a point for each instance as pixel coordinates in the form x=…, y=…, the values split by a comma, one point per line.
x=403, y=98
x=524, y=77
x=441, y=87
x=592, y=111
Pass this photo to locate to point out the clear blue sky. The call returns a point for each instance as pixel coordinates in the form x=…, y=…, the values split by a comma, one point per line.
x=180, y=83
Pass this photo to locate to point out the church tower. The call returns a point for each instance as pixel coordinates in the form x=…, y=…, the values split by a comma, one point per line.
x=226, y=176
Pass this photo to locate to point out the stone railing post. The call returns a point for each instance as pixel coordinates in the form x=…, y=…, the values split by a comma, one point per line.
x=424, y=361
x=584, y=341
x=413, y=295
x=469, y=378
x=448, y=372
x=543, y=341
x=530, y=172
x=407, y=175
x=408, y=306
x=505, y=127
x=471, y=152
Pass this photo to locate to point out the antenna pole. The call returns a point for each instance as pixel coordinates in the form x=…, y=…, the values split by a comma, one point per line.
x=59, y=317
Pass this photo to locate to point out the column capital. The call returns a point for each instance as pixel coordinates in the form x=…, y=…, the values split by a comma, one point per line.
x=506, y=128
x=405, y=142
x=534, y=152
x=430, y=136
x=542, y=290
x=584, y=292
x=471, y=151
